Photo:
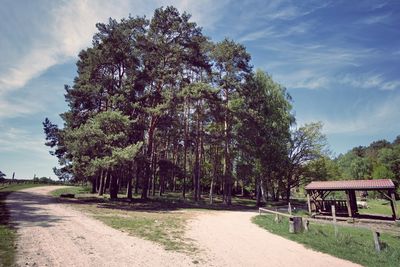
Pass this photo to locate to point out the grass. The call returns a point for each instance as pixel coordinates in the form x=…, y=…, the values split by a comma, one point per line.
x=161, y=219
x=353, y=244
x=7, y=232
x=165, y=228
x=378, y=206
x=76, y=190
x=158, y=220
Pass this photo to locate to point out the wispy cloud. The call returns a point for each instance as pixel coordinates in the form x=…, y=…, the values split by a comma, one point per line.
x=373, y=19
x=370, y=80
x=19, y=140
x=70, y=28
x=274, y=32
x=374, y=117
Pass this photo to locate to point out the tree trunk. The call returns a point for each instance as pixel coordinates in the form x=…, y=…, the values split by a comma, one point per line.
x=94, y=185
x=227, y=159
x=129, y=184
x=113, y=187
x=147, y=176
x=258, y=192
x=185, y=143
x=139, y=166
x=102, y=182
x=288, y=186
x=196, y=175
x=107, y=185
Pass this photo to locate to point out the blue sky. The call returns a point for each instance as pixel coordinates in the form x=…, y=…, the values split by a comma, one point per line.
x=340, y=61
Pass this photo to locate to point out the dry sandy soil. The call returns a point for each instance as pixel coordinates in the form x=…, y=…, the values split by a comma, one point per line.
x=53, y=234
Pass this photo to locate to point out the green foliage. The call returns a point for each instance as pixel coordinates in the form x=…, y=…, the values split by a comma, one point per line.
x=321, y=169
x=379, y=160
x=382, y=172
x=150, y=91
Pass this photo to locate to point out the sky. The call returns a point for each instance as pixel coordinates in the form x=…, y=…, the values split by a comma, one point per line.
x=339, y=60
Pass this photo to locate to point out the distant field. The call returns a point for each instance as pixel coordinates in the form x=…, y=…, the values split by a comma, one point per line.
x=352, y=244
x=379, y=206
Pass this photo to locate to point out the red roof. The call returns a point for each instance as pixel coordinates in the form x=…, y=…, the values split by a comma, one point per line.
x=351, y=184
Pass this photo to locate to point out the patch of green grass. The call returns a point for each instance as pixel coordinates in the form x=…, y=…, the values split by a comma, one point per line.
x=352, y=244
x=7, y=249
x=76, y=190
x=165, y=228
x=8, y=233
x=378, y=206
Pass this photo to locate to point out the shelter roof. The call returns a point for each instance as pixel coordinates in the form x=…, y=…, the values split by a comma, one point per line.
x=376, y=184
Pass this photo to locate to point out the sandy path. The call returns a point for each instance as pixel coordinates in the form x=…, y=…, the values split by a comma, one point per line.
x=231, y=239
x=52, y=234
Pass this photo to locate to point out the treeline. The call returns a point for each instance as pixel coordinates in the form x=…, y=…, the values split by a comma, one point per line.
x=379, y=160
x=157, y=106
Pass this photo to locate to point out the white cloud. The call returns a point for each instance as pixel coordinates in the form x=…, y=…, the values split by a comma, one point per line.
x=72, y=26
x=18, y=140
x=256, y=35
x=370, y=80
x=373, y=118
x=205, y=13
x=376, y=19
x=305, y=79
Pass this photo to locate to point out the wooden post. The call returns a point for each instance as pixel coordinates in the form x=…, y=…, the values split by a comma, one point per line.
x=305, y=224
x=377, y=241
x=348, y=202
x=277, y=217
x=290, y=209
x=309, y=203
x=295, y=224
x=393, y=204
x=334, y=220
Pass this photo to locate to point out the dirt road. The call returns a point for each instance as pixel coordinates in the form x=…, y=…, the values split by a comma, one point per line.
x=53, y=234
x=231, y=239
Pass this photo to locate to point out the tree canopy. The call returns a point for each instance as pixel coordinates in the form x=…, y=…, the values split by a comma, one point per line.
x=158, y=106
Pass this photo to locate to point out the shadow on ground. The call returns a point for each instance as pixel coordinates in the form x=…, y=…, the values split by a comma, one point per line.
x=154, y=205
x=25, y=209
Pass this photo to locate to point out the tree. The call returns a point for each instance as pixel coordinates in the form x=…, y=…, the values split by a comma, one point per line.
x=263, y=107
x=321, y=169
x=307, y=143
x=2, y=175
x=231, y=68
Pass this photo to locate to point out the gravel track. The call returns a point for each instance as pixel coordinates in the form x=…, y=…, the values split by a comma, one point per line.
x=54, y=234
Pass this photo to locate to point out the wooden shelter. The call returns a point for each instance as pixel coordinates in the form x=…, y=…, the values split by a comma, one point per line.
x=317, y=192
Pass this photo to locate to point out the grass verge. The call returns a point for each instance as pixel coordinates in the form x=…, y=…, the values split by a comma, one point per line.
x=7, y=232
x=378, y=206
x=152, y=220
x=353, y=244
x=76, y=190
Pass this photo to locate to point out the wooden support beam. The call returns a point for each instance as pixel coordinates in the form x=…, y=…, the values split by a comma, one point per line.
x=348, y=204
x=353, y=201
x=393, y=204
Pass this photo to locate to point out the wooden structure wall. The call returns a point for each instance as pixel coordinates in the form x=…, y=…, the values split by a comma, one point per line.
x=317, y=193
